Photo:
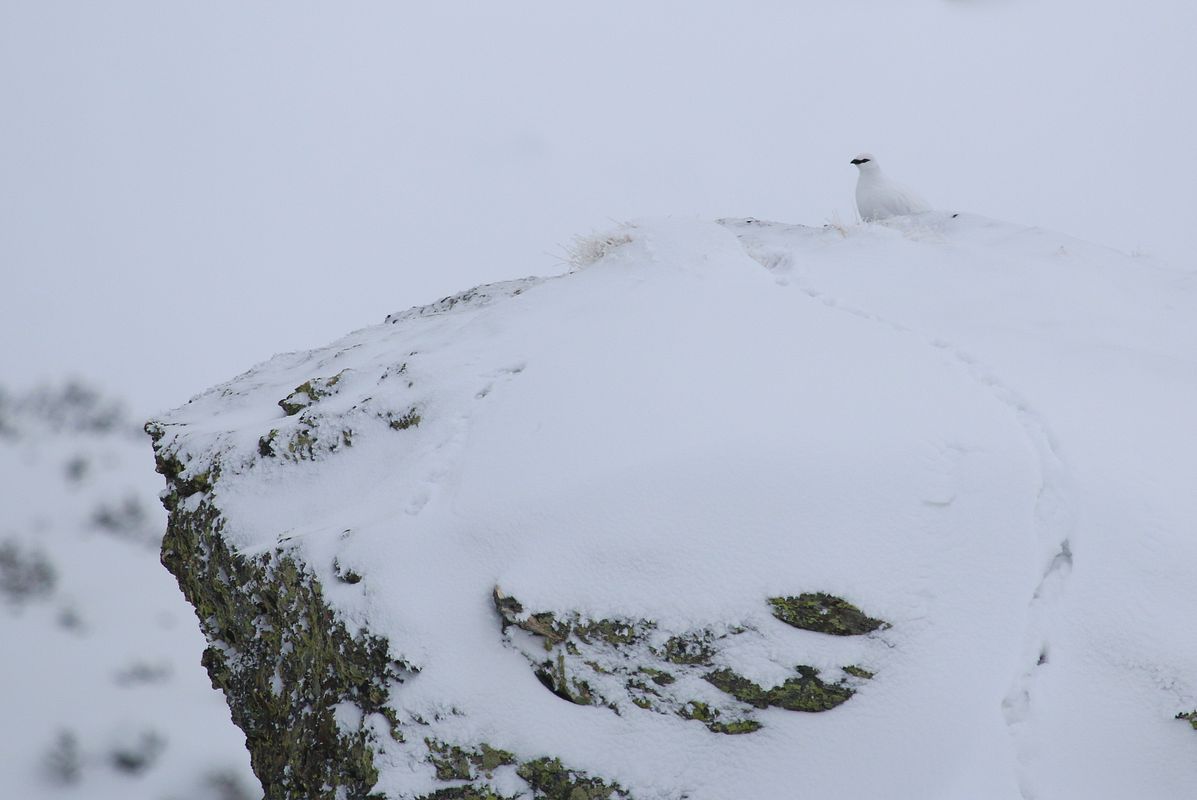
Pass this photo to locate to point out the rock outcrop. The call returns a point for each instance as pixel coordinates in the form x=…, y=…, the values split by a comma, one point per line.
x=664, y=528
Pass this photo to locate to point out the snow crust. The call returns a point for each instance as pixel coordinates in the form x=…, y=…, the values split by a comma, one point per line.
x=976, y=431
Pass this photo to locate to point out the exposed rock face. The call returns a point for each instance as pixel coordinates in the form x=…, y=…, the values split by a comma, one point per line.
x=320, y=699
x=617, y=663
x=283, y=660
x=311, y=697
x=657, y=529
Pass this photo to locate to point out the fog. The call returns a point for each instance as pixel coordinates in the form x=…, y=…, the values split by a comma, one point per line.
x=187, y=189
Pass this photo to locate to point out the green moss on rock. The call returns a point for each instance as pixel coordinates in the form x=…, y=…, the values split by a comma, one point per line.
x=551, y=780
x=735, y=727
x=266, y=444
x=547, y=777
x=615, y=632
x=652, y=672
x=824, y=613
x=657, y=676
x=344, y=574
x=302, y=444
x=307, y=440
x=712, y=718
x=456, y=763
x=555, y=631
x=557, y=679
x=465, y=793
x=806, y=692
x=408, y=419
x=280, y=655
x=1191, y=716
x=180, y=484
x=691, y=649
x=309, y=392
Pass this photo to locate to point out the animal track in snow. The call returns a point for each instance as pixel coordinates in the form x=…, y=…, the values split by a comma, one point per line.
x=1054, y=512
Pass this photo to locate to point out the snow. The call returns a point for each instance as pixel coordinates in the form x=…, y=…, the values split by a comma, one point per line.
x=971, y=429
x=1099, y=351
x=316, y=146
x=104, y=695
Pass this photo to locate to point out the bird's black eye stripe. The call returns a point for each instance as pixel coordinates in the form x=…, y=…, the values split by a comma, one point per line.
x=860, y=160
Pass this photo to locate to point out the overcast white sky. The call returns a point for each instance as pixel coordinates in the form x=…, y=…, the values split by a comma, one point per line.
x=188, y=188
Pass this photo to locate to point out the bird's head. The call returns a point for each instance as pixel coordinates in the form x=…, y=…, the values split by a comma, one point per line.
x=865, y=161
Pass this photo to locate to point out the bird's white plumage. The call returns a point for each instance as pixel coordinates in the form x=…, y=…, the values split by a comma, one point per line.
x=877, y=197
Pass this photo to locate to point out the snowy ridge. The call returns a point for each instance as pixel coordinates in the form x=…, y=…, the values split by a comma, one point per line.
x=656, y=446
x=1057, y=506
x=1053, y=508
x=478, y=296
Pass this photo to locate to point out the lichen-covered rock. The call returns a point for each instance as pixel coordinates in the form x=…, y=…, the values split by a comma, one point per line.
x=631, y=664
x=551, y=780
x=467, y=792
x=309, y=392
x=308, y=439
x=315, y=695
x=823, y=613
x=702, y=493
x=282, y=658
x=325, y=701
x=806, y=692
x=458, y=763
x=288, y=667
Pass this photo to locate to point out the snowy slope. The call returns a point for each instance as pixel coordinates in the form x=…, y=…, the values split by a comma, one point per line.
x=1096, y=354
x=973, y=431
x=103, y=693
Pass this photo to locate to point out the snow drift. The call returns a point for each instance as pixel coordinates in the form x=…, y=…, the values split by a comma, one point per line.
x=737, y=509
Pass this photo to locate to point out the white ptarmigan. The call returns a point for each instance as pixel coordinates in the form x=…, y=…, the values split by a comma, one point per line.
x=877, y=197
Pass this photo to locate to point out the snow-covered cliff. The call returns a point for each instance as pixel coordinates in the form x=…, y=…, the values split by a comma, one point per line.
x=733, y=509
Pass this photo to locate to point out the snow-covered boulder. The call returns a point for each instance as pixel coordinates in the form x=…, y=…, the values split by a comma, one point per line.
x=733, y=509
